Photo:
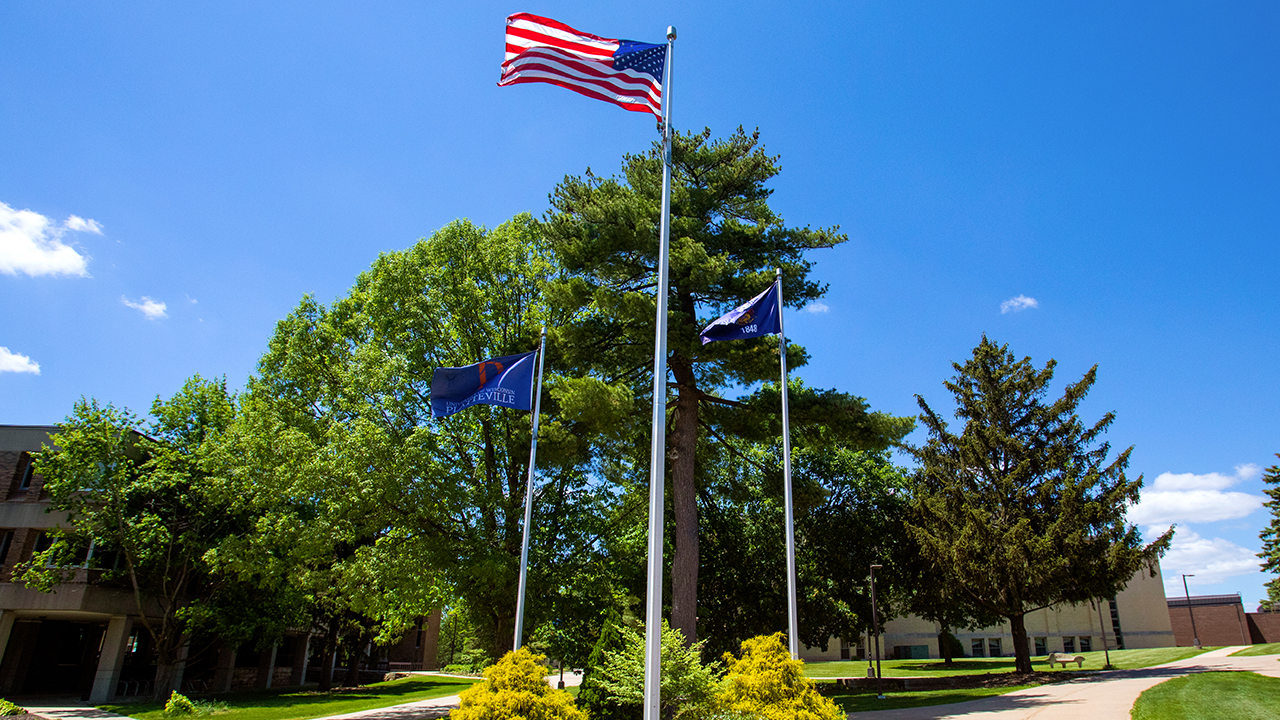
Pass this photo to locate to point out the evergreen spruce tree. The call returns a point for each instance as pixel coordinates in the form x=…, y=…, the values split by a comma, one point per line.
x=1271, y=539
x=1024, y=507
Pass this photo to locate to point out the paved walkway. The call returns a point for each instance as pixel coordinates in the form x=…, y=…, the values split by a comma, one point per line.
x=1098, y=697
x=74, y=709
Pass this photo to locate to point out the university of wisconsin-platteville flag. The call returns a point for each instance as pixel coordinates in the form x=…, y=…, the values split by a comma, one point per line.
x=505, y=381
x=758, y=316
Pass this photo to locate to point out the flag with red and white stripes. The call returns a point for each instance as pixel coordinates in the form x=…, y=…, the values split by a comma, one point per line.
x=623, y=72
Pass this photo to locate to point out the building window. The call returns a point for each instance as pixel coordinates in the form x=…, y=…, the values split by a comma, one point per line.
x=1068, y=645
x=979, y=647
x=1115, y=625
x=1086, y=644
x=844, y=649
x=27, y=473
x=1042, y=646
x=993, y=647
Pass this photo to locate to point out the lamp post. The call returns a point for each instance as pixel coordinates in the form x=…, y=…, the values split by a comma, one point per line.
x=875, y=629
x=1195, y=635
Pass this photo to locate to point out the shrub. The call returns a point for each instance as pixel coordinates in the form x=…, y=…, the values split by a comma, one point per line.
x=767, y=683
x=8, y=708
x=179, y=705
x=516, y=687
x=688, y=687
x=593, y=698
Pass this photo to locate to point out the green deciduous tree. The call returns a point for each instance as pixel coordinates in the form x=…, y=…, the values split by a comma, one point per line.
x=725, y=245
x=1271, y=538
x=338, y=422
x=143, y=491
x=1024, y=507
x=849, y=509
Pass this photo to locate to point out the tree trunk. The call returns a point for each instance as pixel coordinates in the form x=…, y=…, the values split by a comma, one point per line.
x=944, y=643
x=353, y=661
x=1021, y=653
x=326, y=659
x=684, y=501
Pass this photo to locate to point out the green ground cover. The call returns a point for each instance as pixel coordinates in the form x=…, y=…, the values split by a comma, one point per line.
x=294, y=704
x=1121, y=659
x=1211, y=695
x=1267, y=649
x=864, y=701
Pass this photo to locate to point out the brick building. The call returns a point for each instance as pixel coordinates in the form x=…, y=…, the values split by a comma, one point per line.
x=1221, y=620
x=86, y=638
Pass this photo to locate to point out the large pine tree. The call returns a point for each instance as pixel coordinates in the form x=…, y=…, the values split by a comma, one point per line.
x=1025, y=507
x=725, y=245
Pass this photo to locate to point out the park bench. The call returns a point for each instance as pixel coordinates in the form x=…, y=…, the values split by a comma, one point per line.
x=1065, y=658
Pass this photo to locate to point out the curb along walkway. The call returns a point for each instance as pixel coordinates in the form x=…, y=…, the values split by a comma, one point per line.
x=1102, y=696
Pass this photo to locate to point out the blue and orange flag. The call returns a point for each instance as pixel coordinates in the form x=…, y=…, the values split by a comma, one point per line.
x=754, y=318
x=506, y=381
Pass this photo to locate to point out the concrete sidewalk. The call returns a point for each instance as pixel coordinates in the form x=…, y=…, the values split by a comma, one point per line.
x=1102, y=697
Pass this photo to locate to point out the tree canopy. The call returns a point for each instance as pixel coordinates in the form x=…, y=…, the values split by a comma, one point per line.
x=726, y=243
x=1024, y=507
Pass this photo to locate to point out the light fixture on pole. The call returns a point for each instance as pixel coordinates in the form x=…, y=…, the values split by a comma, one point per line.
x=875, y=628
x=1194, y=635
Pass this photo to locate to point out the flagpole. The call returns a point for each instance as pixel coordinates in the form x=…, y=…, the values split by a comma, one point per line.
x=657, y=454
x=528, y=495
x=793, y=616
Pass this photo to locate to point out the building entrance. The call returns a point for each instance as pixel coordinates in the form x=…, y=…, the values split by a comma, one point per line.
x=52, y=657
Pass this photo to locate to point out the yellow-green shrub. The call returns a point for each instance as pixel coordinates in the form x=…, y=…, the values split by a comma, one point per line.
x=767, y=683
x=179, y=705
x=516, y=688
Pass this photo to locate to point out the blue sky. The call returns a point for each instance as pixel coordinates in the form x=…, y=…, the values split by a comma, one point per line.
x=174, y=177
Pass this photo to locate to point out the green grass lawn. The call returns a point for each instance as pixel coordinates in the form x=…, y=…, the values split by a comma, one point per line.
x=294, y=704
x=862, y=701
x=1267, y=649
x=1121, y=659
x=1211, y=695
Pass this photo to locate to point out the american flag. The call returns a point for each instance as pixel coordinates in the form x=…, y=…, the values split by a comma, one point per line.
x=623, y=72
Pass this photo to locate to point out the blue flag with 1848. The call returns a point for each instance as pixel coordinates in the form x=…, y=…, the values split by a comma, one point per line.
x=506, y=381
x=754, y=318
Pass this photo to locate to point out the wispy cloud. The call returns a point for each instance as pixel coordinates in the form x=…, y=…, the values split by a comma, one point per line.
x=816, y=306
x=153, y=309
x=79, y=224
x=17, y=363
x=1191, y=498
x=1018, y=304
x=1210, y=560
x=32, y=243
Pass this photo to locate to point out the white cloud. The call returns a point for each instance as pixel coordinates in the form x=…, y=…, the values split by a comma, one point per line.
x=79, y=224
x=153, y=309
x=31, y=243
x=1017, y=304
x=817, y=306
x=192, y=300
x=1211, y=561
x=13, y=362
x=1187, y=497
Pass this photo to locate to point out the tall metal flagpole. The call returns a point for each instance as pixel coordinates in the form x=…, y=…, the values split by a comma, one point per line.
x=657, y=453
x=793, y=615
x=528, y=494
